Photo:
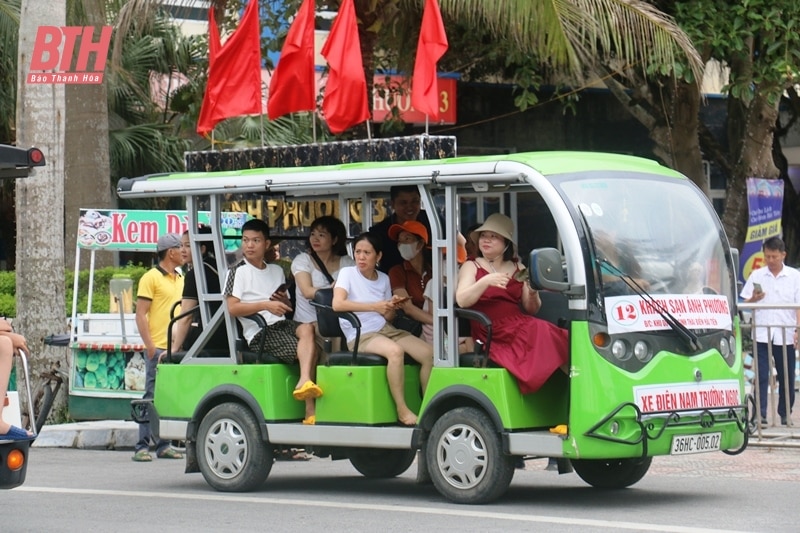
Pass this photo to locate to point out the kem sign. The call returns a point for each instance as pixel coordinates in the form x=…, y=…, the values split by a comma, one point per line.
x=55, y=49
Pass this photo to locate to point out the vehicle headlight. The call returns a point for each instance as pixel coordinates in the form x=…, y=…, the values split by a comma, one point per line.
x=619, y=349
x=642, y=351
x=724, y=347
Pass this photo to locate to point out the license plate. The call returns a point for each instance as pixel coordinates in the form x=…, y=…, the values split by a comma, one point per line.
x=685, y=444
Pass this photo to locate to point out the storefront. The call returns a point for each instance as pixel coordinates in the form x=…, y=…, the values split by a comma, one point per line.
x=107, y=365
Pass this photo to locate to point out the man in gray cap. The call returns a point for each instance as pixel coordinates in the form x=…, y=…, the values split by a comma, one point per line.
x=159, y=289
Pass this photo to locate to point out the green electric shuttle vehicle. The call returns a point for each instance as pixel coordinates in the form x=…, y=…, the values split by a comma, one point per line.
x=630, y=259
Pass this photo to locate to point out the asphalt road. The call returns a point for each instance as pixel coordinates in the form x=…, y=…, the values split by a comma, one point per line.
x=104, y=491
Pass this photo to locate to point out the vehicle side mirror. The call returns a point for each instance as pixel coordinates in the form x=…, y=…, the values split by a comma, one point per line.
x=547, y=271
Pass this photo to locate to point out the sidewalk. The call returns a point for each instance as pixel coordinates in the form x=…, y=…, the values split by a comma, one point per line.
x=98, y=435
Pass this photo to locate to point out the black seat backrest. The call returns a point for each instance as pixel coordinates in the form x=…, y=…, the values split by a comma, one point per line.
x=328, y=326
x=555, y=308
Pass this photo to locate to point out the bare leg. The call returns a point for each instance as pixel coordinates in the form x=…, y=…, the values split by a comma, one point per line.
x=6, y=353
x=307, y=357
x=306, y=353
x=395, y=374
x=421, y=352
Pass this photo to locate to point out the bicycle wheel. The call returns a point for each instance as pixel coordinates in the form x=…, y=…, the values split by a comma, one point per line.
x=42, y=406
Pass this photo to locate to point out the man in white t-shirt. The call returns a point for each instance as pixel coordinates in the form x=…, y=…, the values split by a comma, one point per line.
x=254, y=286
x=775, y=284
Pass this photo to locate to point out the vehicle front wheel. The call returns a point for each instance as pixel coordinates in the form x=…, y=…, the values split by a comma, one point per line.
x=377, y=463
x=465, y=457
x=230, y=453
x=612, y=473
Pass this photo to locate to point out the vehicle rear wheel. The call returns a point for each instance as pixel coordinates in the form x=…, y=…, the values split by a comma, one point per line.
x=612, y=473
x=380, y=463
x=231, y=455
x=465, y=457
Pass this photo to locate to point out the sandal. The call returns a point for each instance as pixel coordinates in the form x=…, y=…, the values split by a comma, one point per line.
x=308, y=390
x=310, y=420
x=15, y=433
x=169, y=453
x=142, y=456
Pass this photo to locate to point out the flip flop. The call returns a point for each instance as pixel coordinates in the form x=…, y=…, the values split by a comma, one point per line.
x=310, y=420
x=308, y=390
x=15, y=433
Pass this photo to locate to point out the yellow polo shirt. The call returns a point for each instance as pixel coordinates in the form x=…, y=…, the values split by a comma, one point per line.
x=163, y=289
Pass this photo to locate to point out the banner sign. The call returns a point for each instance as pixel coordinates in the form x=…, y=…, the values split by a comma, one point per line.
x=139, y=230
x=691, y=396
x=695, y=311
x=765, y=203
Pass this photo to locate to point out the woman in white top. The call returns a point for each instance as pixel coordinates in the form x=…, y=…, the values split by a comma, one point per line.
x=326, y=248
x=366, y=291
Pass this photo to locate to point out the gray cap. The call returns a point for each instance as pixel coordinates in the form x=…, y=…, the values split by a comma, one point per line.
x=167, y=241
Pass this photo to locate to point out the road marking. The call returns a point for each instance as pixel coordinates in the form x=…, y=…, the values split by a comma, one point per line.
x=460, y=512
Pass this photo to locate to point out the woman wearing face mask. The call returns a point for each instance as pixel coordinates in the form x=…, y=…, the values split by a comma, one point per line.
x=530, y=348
x=409, y=278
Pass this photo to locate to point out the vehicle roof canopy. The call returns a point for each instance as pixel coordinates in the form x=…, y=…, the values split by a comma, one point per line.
x=380, y=176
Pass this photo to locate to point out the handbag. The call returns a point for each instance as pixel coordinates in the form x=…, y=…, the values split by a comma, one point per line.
x=406, y=323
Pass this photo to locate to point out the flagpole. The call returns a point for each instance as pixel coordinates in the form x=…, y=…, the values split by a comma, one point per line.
x=314, y=125
x=426, y=124
x=261, y=117
x=369, y=132
x=212, y=139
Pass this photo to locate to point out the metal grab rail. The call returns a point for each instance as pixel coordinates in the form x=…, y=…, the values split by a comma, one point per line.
x=790, y=377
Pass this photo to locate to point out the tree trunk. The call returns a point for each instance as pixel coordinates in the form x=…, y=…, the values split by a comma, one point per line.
x=753, y=127
x=87, y=169
x=40, y=197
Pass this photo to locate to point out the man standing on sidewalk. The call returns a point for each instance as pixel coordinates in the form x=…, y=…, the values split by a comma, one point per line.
x=159, y=289
x=775, y=284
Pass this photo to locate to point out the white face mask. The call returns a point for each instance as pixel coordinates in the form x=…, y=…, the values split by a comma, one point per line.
x=407, y=251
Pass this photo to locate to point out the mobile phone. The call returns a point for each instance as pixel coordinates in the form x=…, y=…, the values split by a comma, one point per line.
x=757, y=287
x=282, y=287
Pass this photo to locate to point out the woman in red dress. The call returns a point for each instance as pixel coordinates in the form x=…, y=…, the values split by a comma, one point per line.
x=530, y=348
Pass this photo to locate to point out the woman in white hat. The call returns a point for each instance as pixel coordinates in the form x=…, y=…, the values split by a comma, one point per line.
x=530, y=348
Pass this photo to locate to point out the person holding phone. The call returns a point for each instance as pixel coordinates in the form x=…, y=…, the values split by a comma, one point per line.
x=366, y=291
x=255, y=286
x=775, y=284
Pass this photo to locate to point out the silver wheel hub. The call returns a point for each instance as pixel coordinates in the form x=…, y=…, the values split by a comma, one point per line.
x=225, y=448
x=461, y=456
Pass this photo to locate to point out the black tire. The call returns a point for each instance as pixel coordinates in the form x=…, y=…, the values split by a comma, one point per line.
x=379, y=463
x=612, y=473
x=230, y=453
x=43, y=409
x=465, y=457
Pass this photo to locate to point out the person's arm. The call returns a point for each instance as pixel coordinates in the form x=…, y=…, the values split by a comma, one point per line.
x=236, y=307
x=5, y=326
x=469, y=290
x=142, y=308
x=181, y=327
x=17, y=341
x=383, y=307
x=305, y=285
x=749, y=292
x=531, y=302
x=410, y=309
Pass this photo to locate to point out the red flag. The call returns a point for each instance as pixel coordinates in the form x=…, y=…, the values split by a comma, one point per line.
x=213, y=37
x=345, y=102
x=431, y=47
x=292, y=87
x=234, y=74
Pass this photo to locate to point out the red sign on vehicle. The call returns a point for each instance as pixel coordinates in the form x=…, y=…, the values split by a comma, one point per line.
x=53, y=52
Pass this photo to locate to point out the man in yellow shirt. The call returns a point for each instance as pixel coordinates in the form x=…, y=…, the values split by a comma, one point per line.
x=159, y=289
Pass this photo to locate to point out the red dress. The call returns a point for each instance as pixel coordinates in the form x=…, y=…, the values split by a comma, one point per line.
x=529, y=347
